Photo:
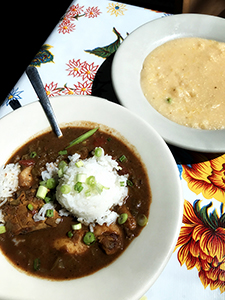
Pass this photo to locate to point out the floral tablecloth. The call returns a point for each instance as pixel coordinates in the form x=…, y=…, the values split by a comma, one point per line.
x=76, y=59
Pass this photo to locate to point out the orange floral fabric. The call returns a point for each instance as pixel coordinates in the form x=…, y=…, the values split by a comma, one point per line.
x=207, y=177
x=202, y=244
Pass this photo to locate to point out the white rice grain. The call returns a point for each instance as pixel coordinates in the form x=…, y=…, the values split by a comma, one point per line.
x=96, y=207
x=40, y=215
x=50, y=172
x=8, y=181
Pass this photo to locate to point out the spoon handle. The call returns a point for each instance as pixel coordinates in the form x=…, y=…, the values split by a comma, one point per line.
x=38, y=86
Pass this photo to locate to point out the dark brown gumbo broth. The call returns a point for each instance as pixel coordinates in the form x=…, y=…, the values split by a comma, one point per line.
x=32, y=246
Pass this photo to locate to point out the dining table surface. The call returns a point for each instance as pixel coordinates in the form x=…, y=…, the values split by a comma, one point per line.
x=76, y=59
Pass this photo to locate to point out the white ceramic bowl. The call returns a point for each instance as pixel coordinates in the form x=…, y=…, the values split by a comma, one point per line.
x=132, y=274
x=128, y=62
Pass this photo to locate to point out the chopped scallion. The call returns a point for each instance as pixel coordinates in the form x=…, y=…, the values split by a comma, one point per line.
x=43, y=182
x=30, y=206
x=33, y=154
x=122, y=158
x=78, y=187
x=65, y=189
x=122, y=183
x=51, y=183
x=98, y=152
x=49, y=213
x=129, y=183
x=91, y=181
x=2, y=229
x=122, y=218
x=89, y=238
x=87, y=193
x=37, y=264
x=142, y=220
x=60, y=173
x=99, y=187
x=83, y=137
x=76, y=226
x=42, y=192
x=47, y=199
x=168, y=100
x=62, y=152
x=62, y=166
x=79, y=163
x=70, y=234
x=81, y=177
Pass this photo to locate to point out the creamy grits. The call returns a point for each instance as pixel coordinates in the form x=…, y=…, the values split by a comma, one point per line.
x=184, y=80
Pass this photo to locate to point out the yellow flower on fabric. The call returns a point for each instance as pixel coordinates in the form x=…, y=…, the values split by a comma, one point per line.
x=116, y=9
x=201, y=243
x=207, y=177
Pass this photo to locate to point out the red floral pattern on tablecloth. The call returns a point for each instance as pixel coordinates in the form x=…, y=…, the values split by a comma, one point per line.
x=66, y=27
x=74, y=10
x=52, y=90
x=73, y=14
x=76, y=68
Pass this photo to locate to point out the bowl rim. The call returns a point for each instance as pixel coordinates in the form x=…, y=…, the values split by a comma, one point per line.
x=146, y=272
x=136, y=47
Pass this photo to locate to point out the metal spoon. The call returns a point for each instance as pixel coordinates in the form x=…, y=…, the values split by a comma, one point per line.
x=38, y=86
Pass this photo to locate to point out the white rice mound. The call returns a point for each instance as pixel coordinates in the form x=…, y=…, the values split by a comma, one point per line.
x=97, y=207
x=8, y=181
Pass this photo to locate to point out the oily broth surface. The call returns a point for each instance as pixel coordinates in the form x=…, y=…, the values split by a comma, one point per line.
x=183, y=79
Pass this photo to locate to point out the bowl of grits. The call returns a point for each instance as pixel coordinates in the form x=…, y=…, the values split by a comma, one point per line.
x=171, y=71
x=86, y=212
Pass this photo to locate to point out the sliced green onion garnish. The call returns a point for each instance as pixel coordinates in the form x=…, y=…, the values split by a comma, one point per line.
x=82, y=137
x=2, y=229
x=91, y=181
x=87, y=193
x=49, y=213
x=76, y=226
x=142, y=220
x=33, y=154
x=98, y=152
x=65, y=189
x=70, y=234
x=122, y=183
x=30, y=206
x=62, y=152
x=37, y=264
x=129, y=183
x=42, y=183
x=79, y=163
x=51, y=183
x=47, y=199
x=89, y=238
x=122, y=158
x=78, y=187
x=122, y=218
x=99, y=187
x=62, y=164
x=42, y=192
x=60, y=173
x=81, y=177
x=169, y=100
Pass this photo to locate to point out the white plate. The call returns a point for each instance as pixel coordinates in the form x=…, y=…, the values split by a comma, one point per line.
x=128, y=62
x=131, y=275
